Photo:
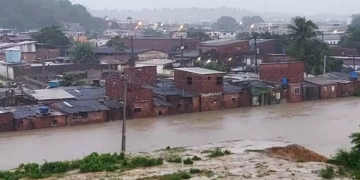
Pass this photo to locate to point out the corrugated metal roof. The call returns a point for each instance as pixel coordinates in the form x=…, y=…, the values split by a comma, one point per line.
x=22, y=112
x=160, y=102
x=50, y=94
x=198, y=70
x=86, y=92
x=81, y=106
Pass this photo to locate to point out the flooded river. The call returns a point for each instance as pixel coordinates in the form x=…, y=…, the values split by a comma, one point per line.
x=322, y=126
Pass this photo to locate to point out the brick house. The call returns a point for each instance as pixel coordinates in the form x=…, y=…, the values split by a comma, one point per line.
x=31, y=117
x=139, y=100
x=44, y=51
x=180, y=101
x=224, y=49
x=83, y=112
x=6, y=120
x=162, y=44
x=292, y=71
x=208, y=83
x=327, y=87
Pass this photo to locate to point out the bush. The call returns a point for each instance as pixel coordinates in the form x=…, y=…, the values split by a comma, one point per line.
x=188, y=161
x=185, y=175
x=195, y=158
x=357, y=92
x=327, y=173
x=216, y=153
x=176, y=159
x=55, y=167
x=195, y=171
x=144, y=162
x=227, y=152
x=32, y=170
x=75, y=164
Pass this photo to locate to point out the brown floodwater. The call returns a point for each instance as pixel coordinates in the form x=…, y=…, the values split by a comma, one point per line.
x=322, y=126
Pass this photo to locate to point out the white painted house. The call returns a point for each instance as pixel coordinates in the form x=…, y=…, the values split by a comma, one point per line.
x=222, y=35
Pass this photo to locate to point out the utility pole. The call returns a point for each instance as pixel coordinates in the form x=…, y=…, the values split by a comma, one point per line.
x=123, y=140
x=182, y=50
x=132, y=62
x=256, y=54
x=322, y=36
x=324, y=64
x=43, y=62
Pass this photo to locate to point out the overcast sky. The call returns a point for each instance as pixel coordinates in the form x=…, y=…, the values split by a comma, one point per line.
x=286, y=6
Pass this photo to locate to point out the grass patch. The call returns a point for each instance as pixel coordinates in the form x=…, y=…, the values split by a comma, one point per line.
x=188, y=161
x=195, y=158
x=194, y=171
x=91, y=163
x=327, y=173
x=175, y=176
x=175, y=159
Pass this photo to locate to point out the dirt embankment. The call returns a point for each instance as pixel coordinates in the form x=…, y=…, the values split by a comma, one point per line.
x=295, y=153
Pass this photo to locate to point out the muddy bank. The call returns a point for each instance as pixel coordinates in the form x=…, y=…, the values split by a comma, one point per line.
x=270, y=160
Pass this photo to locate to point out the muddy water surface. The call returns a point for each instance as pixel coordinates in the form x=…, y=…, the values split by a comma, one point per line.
x=322, y=126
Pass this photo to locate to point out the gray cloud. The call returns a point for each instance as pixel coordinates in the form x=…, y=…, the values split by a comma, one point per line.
x=283, y=6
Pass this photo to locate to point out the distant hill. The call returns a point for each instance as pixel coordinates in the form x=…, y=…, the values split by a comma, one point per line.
x=34, y=14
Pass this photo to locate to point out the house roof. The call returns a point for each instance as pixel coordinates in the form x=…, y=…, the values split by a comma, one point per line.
x=114, y=104
x=49, y=94
x=228, y=88
x=155, y=62
x=191, y=54
x=86, y=92
x=159, y=102
x=198, y=70
x=167, y=88
x=21, y=112
x=264, y=84
x=221, y=42
x=320, y=80
x=71, y=107
x=19, y=38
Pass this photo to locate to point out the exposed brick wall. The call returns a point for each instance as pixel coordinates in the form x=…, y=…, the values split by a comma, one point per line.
x=162, y=44
x=115, y=114
x=147, y=75
x=147, y=109
x=231, y=101
x=328, y=91
x=47, y=121
x=267, y=46
x=93, y=117
x=347, y=89
x=183, y=105
x=161, y=111
x=276, y=58
x=28, y=56
x=7, y=122
x=200, y=83
x=24, y=124
x=47, y=53
x=294, y=96
x=274, y=72
x=245, y=98
x=211, y=103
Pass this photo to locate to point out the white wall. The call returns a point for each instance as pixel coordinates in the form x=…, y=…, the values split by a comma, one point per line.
x=6, y=70
x=222, y=35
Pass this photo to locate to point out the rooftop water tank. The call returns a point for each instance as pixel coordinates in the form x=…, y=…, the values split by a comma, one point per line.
x=44, y=110
x=13, y=55
x=53, y=84
x=353, y=76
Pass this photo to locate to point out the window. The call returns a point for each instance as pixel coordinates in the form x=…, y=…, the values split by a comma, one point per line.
x=209, y=78
x=179, y=105
x=215, y=34
x=137, y=110
x=80, y=115
x=189, y=80
x=186, y=47
x=332, y=88
x=219, y=80
x=224, y=34
x=54, y=123
x=233, y=99
x=210, y=34
x=297, y=91
x=232, y=33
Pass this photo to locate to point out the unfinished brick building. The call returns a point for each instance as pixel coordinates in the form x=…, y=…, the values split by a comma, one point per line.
x=6, y=120
x=140, y=101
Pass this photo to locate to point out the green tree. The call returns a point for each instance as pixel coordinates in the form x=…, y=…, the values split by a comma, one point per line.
x=152, y=33
x=214, y=66
x=71, y=80
x=117, y=43
x=82, y=53
x=33, y=14
x=302, y=34
x=192, y=33
x=250, y=20
x=51, y=35
x=226, y=23
x=351, y=39
x=355, y=21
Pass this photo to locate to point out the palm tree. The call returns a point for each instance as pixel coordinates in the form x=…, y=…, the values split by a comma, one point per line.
x=302, y=34
x=116, y=43
x=82, y=53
